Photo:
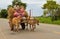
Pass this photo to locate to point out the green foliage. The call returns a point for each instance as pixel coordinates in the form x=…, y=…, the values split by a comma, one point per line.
x=58, y=12
x=48, y=20
x=9, y=6
x=18, y=2
x=3, y=13
x=24, y=4
x=45, y=12
x=56, y=22
x=0, y=14
x=45, y=20
x=52, y=7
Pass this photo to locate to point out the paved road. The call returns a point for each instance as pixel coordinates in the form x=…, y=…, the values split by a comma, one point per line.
x=43, y=31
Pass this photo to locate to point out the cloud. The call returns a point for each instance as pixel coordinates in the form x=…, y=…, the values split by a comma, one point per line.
x=38, y=2
x=34, y=1
x=58, y=1
x=5, y=3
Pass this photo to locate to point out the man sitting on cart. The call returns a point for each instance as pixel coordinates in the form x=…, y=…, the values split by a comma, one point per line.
x=21, y=12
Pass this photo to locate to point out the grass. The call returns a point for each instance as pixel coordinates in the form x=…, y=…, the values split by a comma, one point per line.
x=48, y=20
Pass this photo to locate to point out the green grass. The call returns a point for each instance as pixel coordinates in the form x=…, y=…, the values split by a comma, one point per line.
x=48, y=20
x=56, y=22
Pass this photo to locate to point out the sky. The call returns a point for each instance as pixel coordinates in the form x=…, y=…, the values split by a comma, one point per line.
x=34, y=5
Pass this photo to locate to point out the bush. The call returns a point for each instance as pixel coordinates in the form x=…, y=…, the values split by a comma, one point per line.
x=56, y=22
x=3, y=13
x=48, y=20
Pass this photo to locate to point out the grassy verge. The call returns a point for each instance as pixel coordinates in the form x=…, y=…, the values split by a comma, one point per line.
x=48, y=20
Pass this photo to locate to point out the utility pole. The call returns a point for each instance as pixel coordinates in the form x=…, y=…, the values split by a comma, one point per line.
x=30, y=12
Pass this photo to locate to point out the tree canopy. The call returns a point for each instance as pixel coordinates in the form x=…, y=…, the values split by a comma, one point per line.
x=3, y=13
x=18, y=2
x=52, y=7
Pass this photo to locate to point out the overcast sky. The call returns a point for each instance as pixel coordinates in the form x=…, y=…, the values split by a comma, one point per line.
x=5, y=3
x=35, y=5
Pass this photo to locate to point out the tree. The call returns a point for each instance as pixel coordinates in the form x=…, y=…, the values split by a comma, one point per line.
x=58, y=11
x=18, y=2
x=24, y=4
x=0, y=14
x=57, y=14
x=9, y=6
x=51, y=6
x=3, y=13
x=45, y=12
